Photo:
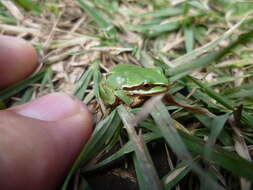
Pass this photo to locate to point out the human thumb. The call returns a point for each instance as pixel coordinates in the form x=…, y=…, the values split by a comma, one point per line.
x=40, y=140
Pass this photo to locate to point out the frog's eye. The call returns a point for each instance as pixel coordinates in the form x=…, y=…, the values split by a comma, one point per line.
x=146, y=86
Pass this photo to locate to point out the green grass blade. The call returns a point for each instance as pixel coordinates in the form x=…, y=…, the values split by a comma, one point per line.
x=143, y=159
x=97, y=78
x=182, y=70
x=6, y=17
x=162, y=28
x=193, y=54
x=101, y=135
x=47, y=79
x=83, y=82
x=27, y=96
x=221, y=157
x=140, y=175
x=216, y=125
x=14, y=89
x=223, y=101
x=219, y=98
x=243, y=93
x=155, y=30
x=166, y=12
x=84, y=184
x=159, y=113
x=29, y=5
x=2, y=105
x=96, y=15
x=126, y=149
x=172, y=137
x=175, y=175
x=207, y=100
x=189, y=37
x=247, y=118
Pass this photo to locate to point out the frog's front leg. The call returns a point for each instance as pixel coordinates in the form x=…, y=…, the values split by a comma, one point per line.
x=107, y=94
x=123, y=96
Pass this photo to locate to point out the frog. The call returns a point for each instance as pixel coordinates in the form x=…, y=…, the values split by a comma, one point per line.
x=132, y=84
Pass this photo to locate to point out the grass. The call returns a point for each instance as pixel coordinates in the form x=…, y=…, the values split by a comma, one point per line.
x=205, y=50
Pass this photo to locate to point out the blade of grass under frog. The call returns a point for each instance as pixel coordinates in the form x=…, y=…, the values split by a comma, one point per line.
x=83, y=82
x=14, y=89
x=177, y=174
x=197, y=52
x=101, y=135
x=165, y=123
x=126, y=149
x=29, y=5
x=143, y=158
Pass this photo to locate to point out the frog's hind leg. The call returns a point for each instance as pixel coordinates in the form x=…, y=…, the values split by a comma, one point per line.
x=138, y=101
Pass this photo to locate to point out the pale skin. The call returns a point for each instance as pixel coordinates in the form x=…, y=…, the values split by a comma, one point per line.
x=39, y=140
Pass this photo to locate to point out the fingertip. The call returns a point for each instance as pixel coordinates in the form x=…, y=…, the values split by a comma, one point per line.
x=52, y=107
x=72, y=133
x=80, y=126
x=18, y=59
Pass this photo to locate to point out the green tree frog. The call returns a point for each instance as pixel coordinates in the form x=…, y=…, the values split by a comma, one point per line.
x=131, y=84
